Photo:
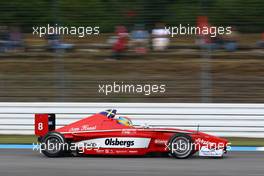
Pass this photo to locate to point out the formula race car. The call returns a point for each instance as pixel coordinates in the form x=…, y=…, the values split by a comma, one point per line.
x=105, y=133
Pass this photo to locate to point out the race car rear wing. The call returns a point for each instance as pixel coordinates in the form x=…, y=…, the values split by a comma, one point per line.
x=44, y=123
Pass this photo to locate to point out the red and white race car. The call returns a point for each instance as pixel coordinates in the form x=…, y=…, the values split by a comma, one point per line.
x=105, y=133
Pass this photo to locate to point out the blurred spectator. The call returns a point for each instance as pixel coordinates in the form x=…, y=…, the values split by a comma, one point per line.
x=160, y=37
x=55, y=43
x=206, y=41
x=230, y=41
x=227, y=42
x=15, y=38
x=10, y=39
x=120, y=43
x=140, y=39
x=261, y=42
x=4, y=39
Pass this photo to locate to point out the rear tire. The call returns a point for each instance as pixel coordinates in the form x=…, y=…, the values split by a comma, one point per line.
x=181, y=146
x=54, y=145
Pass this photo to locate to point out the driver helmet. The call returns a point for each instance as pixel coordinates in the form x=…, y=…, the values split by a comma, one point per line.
x=110, y=113
x=124, y=121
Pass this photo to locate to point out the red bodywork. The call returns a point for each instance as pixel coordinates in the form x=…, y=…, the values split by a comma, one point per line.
x=99, y=126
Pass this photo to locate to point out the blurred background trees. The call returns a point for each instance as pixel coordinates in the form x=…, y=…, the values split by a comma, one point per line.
x=246, y=15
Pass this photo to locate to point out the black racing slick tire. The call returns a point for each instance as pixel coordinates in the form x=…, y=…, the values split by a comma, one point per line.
x=53, y=144
x=181, y=146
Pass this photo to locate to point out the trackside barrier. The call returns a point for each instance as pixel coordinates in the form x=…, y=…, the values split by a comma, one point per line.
x=238, y=120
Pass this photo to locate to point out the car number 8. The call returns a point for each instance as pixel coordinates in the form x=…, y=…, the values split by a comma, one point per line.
x=40, y=126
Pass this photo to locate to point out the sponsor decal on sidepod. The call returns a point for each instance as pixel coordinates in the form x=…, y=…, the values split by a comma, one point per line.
x=116, y=142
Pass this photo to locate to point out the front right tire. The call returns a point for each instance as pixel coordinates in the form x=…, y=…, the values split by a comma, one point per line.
x=181, y=146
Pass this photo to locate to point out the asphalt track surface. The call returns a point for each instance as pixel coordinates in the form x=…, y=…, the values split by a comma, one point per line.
x=25, y=162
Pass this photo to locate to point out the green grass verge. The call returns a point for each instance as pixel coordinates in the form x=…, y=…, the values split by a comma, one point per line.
x=17, y=139
x=29, y=139
x=238, y=141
